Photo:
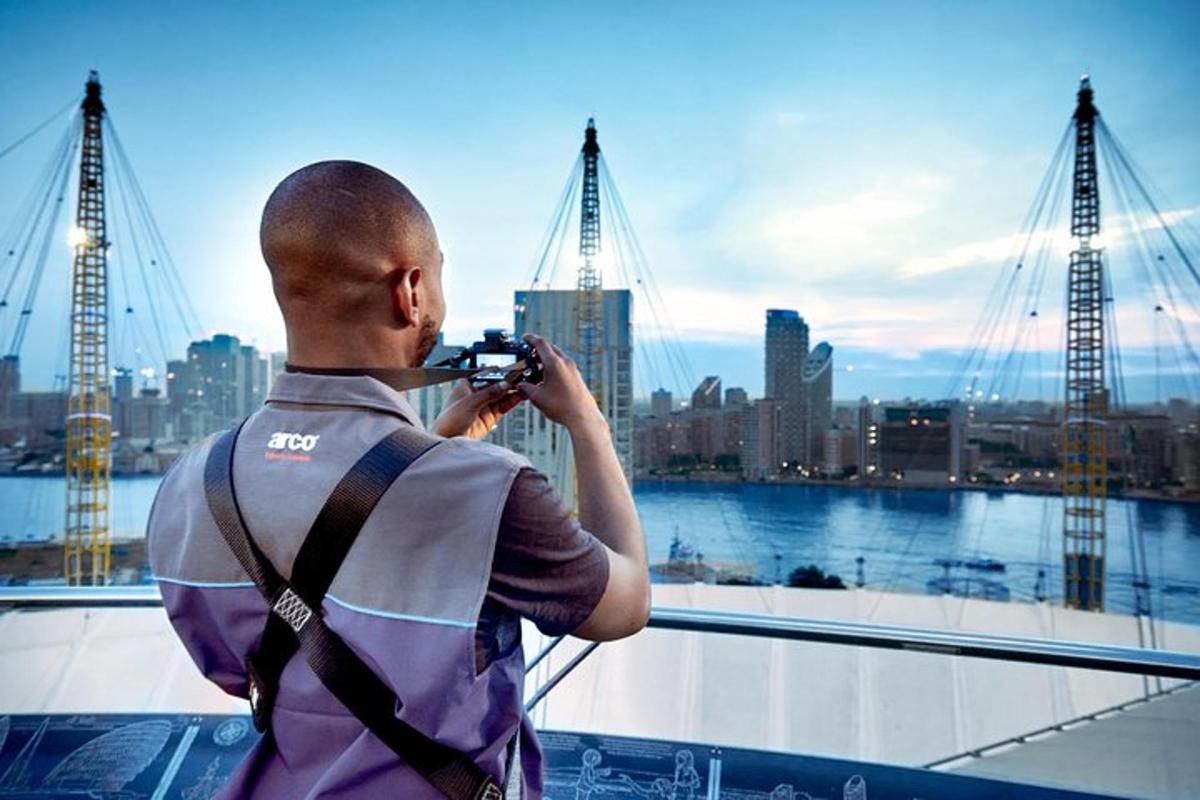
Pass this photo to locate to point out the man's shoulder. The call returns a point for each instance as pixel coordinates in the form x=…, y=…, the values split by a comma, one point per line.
x=489, y=453
x=189, y=463
x=178, y=501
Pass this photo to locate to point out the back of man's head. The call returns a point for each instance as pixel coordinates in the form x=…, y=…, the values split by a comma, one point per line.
x=338, y=236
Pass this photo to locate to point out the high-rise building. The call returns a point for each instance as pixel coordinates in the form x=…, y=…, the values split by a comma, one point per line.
x=786, y=353
x=868, y=440
x=255, y=376
x=818, y=403
x=122, y=401
x=220, y=369
x=38, y=419
x=708, y=393
x=736, y=396
x=841, y=450
x=221, y=382
x=10, y=380
x=278, y=365
x=1186, y=459
x=661, y=403
x=147, y=416
x=553, y=314
x=181, y=390
x=760, y=434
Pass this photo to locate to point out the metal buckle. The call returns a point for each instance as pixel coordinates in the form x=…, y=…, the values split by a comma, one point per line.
x=490, y=791
x=261, y=698
x=292, y=610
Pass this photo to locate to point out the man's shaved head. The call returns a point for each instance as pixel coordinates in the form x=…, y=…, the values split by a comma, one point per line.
x=352, y=250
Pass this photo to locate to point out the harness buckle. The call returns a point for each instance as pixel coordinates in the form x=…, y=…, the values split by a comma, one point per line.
x=292, y=610
x=490, y=791
x=262, y=698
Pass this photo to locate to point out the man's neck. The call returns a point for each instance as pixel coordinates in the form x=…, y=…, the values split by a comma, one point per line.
x=348, y=354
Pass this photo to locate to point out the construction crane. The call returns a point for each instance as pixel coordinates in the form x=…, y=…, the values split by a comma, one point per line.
x=589, y=297
x=1085, y=432
x=86, y=552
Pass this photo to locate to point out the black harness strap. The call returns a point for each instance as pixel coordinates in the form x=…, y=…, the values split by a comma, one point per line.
x=324, y=549
x=295, y=622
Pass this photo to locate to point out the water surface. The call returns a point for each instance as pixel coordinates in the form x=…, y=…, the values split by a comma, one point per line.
x=771, y=529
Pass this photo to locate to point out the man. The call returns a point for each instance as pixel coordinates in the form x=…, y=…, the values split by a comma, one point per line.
x=466, y=541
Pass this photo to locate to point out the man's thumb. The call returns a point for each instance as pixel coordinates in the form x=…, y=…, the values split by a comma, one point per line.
x=482, y=397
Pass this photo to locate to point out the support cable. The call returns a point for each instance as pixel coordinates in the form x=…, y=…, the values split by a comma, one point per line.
x=1116, y=369
x=25, y=229
x=124, y=192
x=646, y=276
x=563, y=234
x=1000, y=290
x=1002, y=371
x=172, y=280
x=618, y=248
x=45, y=222
x=39, y=268
x=557, y=226
x=1131, y=170
x=1165, y=279
x=1036, y=283
x=74, y=103
x=1157, y=277
x=624, y=251
x=45, y=179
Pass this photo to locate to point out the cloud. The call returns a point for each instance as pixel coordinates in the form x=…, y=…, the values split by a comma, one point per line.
x=1118, y=230
x=801, y=230
x=789, y=235
x=902, y=326
x=986, y=251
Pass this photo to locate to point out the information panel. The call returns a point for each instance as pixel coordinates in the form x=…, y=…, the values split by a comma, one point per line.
x=183, y=757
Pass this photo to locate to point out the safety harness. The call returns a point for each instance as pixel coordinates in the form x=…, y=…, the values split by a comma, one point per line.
x=295, y=622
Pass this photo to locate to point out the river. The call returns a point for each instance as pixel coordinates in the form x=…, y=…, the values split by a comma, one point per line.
x=771, y=529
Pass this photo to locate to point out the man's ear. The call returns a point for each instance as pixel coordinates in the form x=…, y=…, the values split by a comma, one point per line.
x=406, y=299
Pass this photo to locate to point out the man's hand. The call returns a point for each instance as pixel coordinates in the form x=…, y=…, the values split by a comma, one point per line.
x=562, y=395
x=605, y=503
x=474, y=412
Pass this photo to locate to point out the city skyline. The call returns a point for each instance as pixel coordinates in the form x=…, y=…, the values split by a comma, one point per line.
x=843, y=175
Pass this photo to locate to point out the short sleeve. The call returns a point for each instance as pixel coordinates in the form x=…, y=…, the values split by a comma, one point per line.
x=547, y=568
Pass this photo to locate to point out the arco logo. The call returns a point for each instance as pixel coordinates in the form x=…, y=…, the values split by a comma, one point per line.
x=282, y=440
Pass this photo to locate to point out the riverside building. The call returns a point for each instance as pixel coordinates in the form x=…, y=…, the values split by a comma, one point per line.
x=818, y=402
x=786, y=354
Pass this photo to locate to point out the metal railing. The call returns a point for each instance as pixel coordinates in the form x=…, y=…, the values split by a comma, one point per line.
x=1048, y=652
x=18, y=597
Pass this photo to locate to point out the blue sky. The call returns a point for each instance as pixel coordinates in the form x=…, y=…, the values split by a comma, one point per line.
x=864, y=163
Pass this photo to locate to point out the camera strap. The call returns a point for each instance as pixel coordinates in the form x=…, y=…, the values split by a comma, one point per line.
x=294, y=622
x=402, y=379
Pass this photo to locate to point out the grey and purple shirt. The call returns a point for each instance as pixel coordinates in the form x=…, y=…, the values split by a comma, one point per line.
x=468, y=540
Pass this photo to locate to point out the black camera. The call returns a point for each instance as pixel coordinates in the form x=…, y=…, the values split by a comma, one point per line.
x=498, y=357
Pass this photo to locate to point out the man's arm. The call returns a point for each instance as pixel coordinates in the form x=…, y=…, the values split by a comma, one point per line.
x=605, y=503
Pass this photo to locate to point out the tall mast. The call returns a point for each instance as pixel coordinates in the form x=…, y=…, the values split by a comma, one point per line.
x=89, y=422
x=1085, y=450
x=589, y=298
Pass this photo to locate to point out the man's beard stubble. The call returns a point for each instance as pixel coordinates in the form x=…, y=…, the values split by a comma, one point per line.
x=426, y=341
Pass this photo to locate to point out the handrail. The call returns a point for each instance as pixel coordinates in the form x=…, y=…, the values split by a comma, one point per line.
x=1085, y=655
x=141, y=596
x=1050, y=652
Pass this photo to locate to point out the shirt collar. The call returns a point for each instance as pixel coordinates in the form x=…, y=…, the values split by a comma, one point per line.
x=357, y=390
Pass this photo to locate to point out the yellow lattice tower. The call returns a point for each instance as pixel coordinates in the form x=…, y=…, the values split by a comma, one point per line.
x=589, y=301
x=86, y=550
x=1085, y=432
